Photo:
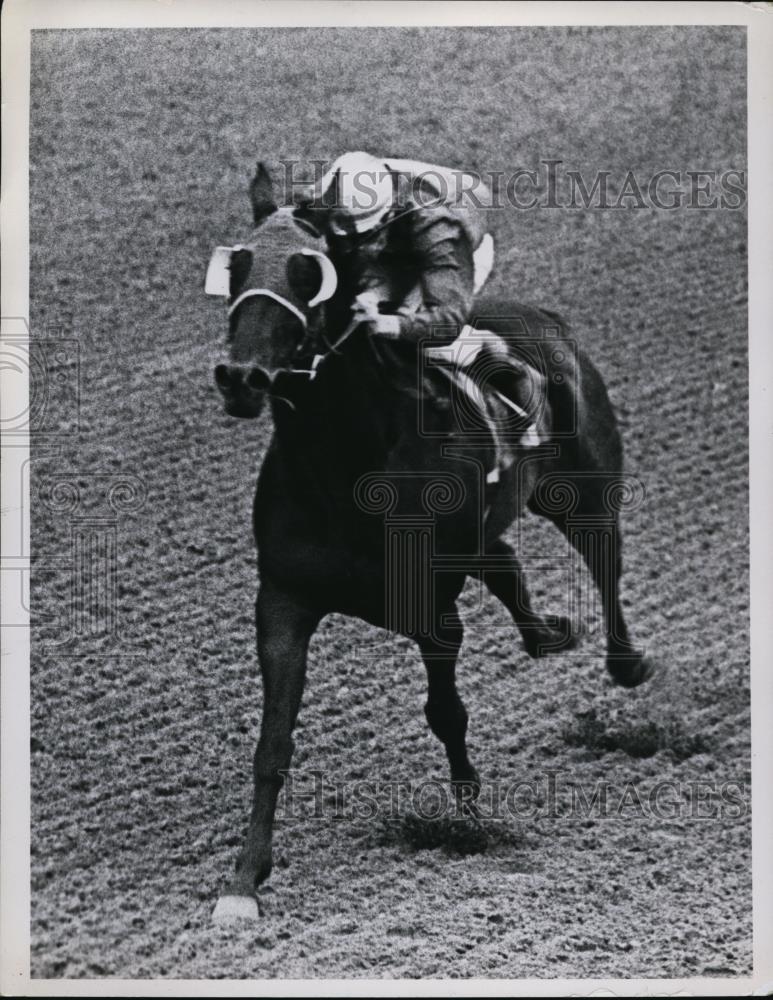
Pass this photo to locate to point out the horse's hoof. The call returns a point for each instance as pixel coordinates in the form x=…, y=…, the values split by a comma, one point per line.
x=466, y=790
x=549, y=639
x=230, y=909
x=631, y=671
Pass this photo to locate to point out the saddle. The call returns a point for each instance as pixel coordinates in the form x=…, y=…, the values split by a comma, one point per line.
x=493, y=390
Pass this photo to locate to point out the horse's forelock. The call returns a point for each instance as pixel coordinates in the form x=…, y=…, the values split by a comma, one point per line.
x=282, y=231
x=271, y=244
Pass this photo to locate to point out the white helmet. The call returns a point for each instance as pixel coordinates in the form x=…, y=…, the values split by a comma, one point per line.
x=363, y=190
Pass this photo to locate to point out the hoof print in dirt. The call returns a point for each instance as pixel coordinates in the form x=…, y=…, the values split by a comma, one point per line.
x=462, y=836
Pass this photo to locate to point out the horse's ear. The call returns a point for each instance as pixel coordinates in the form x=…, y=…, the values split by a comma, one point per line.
x=261, y=194
x=312, y=276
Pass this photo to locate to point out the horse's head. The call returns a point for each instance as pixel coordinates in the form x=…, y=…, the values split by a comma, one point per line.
x=276, y=285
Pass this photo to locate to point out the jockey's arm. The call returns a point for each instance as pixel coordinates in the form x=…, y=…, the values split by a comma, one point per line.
x=445, y=281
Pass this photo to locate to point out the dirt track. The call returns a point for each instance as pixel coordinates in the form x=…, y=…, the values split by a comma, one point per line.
x=140, y=770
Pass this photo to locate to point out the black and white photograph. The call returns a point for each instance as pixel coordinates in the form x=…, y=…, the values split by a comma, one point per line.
x=377, y=543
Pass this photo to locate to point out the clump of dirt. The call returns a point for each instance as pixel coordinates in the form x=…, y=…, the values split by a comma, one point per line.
x=640, y=737
x=462, y=837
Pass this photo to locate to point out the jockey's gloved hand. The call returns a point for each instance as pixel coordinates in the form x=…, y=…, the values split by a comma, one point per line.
x=381, y=324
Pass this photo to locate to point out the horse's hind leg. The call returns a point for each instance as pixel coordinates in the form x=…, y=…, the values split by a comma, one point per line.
x=284, y=629
x=504, y=578
x=445, y=711
x=593, y=530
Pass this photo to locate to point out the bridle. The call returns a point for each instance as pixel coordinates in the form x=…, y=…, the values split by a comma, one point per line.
x=267, y=293
x=332, y=348
x=217, y=283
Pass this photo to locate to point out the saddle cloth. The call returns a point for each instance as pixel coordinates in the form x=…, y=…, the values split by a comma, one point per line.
x=494, y=410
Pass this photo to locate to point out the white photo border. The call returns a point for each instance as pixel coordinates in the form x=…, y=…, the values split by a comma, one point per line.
x=19, y=18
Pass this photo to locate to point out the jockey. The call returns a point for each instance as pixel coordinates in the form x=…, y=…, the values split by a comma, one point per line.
x=410, y=253
x=411, y=250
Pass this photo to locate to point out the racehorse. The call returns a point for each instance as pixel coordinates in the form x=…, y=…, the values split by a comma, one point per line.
x=365, y=442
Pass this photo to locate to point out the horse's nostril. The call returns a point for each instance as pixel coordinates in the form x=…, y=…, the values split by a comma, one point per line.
x=223, y=376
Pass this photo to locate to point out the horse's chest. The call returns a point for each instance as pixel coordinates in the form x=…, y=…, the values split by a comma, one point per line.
x=316, y=549
x=332, y=576
x=350, y=563
x=343, y=548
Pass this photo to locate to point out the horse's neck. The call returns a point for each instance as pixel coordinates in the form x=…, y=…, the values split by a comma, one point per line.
x=333, y=428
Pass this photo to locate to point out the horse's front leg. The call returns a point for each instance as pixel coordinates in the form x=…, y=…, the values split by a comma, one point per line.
x=284, y=629
x=445, y=711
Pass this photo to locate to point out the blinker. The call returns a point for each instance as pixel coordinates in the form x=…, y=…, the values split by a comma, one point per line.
x=218, y=280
